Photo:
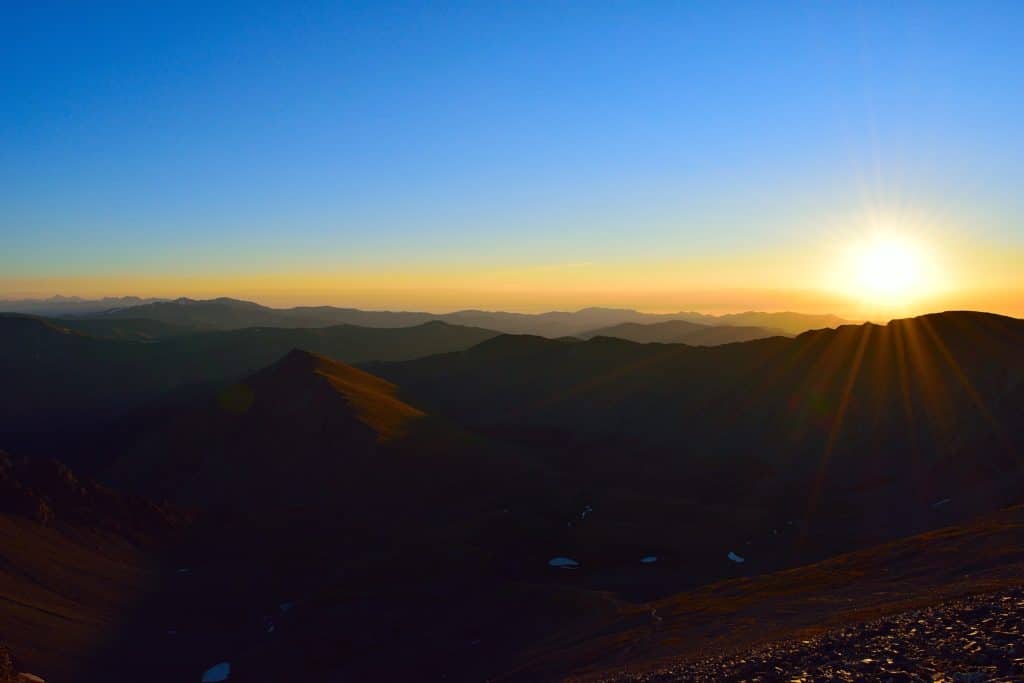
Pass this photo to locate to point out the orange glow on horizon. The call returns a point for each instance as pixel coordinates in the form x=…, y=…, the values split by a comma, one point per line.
x=284, y=291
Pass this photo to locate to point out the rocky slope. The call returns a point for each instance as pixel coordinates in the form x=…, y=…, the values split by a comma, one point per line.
x=977, y=638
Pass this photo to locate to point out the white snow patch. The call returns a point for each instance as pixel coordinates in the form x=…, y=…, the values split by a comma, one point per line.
x=650, y=559
x=184, y=570
x=735, y=558
x=940, y=503
x=563, y=563
x=216, y=674
x=586, y=511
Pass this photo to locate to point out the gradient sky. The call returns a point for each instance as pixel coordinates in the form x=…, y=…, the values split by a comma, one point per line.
x=520, y=155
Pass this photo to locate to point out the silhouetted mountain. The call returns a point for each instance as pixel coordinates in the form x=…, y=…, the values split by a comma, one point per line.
x=213, y=314
x=291, y=434
x=553, y=324
x=683, y=332
x=786, y=321
x=902, y=415
x=57, y=376
x=224, y=314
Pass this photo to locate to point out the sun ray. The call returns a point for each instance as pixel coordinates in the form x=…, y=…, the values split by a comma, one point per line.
x=837, y=421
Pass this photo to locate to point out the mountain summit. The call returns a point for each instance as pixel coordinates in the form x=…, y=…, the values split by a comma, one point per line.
x=307, y=385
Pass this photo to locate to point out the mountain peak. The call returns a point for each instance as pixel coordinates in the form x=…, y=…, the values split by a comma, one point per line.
x=371, y=400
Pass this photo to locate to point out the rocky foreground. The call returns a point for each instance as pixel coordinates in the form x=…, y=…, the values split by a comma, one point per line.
x=978, y=638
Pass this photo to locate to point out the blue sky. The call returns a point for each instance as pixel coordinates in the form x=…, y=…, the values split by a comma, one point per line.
x=182, y=140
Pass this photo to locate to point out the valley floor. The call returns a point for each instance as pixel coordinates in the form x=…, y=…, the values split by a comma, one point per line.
x=977, y=638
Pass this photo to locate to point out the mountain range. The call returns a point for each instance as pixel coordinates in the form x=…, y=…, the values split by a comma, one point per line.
x=184, y=314
x=440, y=501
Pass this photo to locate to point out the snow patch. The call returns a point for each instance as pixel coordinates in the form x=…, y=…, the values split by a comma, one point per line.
x=650, y=559
x=735, y=558
x=940, y=503
x=586, y=511
x=216, y=674
x=563, y=563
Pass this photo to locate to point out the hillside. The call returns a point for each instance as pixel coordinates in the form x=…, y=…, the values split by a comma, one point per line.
x=77, y=558
x=291, y=434
x=128, y=329
x=661, y=638
x=968, y=638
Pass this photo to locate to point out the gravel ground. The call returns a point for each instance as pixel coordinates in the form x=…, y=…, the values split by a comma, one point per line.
x=971, y=639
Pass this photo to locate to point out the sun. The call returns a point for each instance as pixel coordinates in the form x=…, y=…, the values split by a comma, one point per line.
x=888, y=270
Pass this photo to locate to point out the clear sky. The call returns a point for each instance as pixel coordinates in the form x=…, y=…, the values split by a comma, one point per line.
x=514, y=155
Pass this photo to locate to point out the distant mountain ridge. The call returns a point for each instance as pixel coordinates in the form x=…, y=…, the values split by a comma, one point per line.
x=226, y=313
x=685, y=332
x=71, y=305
